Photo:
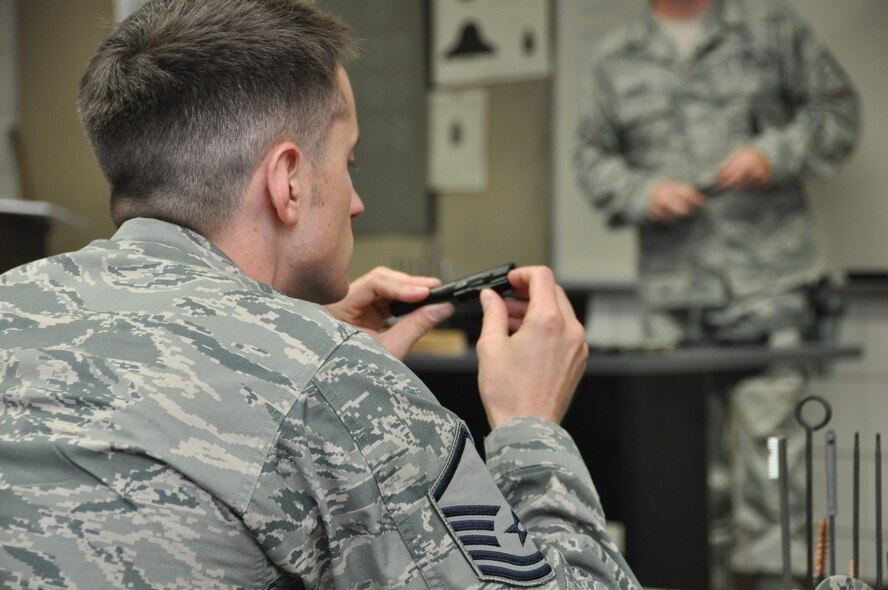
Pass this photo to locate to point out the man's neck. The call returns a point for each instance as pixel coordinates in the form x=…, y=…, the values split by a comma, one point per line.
x=679, y=9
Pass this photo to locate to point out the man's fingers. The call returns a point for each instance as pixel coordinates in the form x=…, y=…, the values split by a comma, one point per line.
x=729, y=178
x=677, y=208
x=696, y=198
x=683, y=203
x=495, y=324
x=517, y=308
x=536, y=283
x=564, y=305
x=745, y=167
x=395, y=285
x=403, y=335
x=673, y=199
x=690, y=197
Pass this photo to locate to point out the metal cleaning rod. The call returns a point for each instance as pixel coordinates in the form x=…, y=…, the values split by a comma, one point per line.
x=879, y=511
x=831, y=499
x=855, y=558
x=783, y=481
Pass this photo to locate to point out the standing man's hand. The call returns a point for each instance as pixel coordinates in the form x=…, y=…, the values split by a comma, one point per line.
x=746, y=167
x=530, y=357
x=671, y=200
x=366, y=306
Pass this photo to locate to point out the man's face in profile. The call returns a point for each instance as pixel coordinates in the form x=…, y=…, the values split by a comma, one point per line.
x=332, y=205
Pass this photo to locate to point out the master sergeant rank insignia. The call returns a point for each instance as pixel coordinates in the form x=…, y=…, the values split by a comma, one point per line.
x=489, y=533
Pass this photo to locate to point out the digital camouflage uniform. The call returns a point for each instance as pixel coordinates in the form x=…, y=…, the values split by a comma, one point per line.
x=168, y=422
x=735, y=270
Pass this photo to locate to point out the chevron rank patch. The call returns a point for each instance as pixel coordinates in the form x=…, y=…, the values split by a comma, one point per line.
x=489, y=533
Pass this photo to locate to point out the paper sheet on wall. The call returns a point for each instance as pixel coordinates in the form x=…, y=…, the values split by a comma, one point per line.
x=458, y=140
x=478, y=41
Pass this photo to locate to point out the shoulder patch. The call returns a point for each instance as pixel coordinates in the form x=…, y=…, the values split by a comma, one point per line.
x=485, y=527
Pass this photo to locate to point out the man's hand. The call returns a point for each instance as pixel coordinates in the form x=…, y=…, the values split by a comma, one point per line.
x=745, y=167
x=366, y=307
x=530, y=355
x=672, y=200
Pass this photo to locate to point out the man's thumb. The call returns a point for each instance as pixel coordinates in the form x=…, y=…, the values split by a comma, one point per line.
x=404, y=334
x=496, y=316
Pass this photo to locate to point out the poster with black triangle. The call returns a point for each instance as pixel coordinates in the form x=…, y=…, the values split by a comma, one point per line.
x=482, y=41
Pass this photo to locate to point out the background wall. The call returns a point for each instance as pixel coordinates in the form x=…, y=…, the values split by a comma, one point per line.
x=390, y=83
x=8, y=109
x=585, y=251
x=507, y=222
x=851, y=207
x=55, y=40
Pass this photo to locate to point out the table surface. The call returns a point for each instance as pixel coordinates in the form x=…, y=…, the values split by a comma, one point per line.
x=41, y=209
x=678, y=361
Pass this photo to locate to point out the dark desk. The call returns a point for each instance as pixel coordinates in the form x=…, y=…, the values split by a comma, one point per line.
x=638, y=419
x=24, y=226
x=22, y=239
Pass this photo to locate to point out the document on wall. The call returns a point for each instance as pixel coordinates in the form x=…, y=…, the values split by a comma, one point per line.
x=458, y=140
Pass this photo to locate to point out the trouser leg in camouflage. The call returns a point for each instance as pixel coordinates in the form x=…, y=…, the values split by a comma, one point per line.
x=744, y=502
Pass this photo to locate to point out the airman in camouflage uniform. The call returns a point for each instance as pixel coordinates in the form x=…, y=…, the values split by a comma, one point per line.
x=170, y=422
x=179, y=411
x=705, y=152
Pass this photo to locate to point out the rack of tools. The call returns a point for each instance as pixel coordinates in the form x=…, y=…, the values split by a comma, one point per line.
x=817, y=575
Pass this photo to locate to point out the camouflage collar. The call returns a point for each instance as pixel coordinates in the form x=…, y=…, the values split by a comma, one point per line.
x=172, y=241
x=645, y=35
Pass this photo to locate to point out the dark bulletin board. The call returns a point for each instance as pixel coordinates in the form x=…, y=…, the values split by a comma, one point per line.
x=390, y=82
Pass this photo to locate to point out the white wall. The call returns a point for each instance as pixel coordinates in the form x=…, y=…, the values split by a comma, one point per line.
x=584, y=250
x=851, y=207
x=9, y=187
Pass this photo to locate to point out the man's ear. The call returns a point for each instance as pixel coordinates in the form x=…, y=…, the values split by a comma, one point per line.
x=284, y=173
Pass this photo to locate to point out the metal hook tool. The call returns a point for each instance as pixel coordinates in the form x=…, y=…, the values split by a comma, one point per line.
x=810, y=428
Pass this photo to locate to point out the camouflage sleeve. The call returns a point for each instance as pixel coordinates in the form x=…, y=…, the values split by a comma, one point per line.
x=540, y=470
x=612, y=186
x=344, y=484
x=824, y=105
x=372, y=483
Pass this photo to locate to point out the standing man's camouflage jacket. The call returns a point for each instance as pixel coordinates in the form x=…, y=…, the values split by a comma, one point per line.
x=168, y=422
x=758, y=78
